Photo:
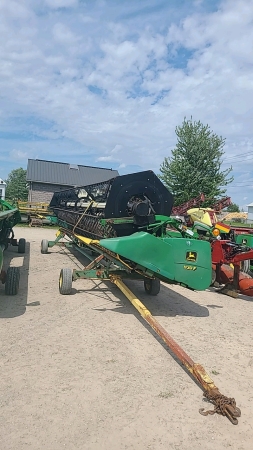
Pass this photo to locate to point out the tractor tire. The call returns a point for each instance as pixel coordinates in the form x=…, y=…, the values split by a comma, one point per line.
x=44, y=246
x=12, y=281
x=21, y=245
x=152, y=286
x=65, y=281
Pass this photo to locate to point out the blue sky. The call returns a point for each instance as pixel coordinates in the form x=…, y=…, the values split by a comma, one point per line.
x=106, y=82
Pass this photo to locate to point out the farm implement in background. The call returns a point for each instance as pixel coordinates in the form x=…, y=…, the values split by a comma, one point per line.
x=34, y=213
x=192, y=210
x=123, y=227
x=231, y=253
x=9, y=216
x=232, y=247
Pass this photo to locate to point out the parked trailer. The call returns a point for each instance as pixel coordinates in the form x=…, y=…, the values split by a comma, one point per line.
x=9, y=216
x=123, y=227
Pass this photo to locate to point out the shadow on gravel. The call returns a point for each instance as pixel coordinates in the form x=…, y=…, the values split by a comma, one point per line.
x=167, y=303
x=173, y=305
x=15, y=305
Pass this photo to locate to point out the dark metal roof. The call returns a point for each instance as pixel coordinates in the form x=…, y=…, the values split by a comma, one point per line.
x=66, y=174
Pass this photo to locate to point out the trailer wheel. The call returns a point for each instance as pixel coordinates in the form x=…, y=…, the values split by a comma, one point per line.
x=44, y=246
x=152, y=286
x=65, y=281
x=12, y=281
x=21, y=245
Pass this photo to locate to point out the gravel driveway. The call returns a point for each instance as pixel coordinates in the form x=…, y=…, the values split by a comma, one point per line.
x=84, y=372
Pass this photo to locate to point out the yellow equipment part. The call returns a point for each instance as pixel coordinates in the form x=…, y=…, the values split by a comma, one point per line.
x=202, y=215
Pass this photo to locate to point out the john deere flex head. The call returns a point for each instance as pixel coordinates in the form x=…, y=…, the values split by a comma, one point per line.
x=130, y=216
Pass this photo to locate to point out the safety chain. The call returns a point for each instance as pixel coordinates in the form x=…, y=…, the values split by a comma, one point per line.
x=222, y=405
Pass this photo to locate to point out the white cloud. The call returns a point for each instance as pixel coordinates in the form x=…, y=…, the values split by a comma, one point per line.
x=116, y=87
x=86, y=19
x=63, y=35
x=105, y=158
x=18, y=155
x=54, y=4
x=14, y=9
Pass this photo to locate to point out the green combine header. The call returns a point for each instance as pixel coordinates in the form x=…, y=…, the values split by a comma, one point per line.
x=9, y=217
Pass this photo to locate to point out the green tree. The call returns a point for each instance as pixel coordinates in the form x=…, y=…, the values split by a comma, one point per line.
x=16, y=186
x=195, y=164
x=233, y=208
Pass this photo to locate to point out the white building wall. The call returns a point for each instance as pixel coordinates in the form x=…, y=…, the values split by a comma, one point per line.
x=2, y=189
x=250, y=213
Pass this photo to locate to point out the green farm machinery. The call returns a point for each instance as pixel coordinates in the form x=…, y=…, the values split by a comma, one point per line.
x=9, y=216
x=123, y=227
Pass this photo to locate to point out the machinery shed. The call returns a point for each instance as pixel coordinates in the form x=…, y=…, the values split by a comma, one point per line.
x=46, y=177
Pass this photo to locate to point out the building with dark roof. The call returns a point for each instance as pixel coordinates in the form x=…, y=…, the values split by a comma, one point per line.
x=46, y=177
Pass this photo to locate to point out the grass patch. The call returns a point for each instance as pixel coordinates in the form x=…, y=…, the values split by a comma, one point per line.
x=166, y=394
x=238, y=224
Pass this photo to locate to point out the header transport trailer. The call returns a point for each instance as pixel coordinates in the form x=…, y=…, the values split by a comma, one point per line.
x=123, y=226
x=9, y=216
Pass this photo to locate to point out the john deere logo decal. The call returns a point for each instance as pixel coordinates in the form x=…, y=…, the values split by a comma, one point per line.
x=191, y=256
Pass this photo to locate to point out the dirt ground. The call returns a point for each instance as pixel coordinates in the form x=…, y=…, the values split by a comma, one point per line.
x=84, y=372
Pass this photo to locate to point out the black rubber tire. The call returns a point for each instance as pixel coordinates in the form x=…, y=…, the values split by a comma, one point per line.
x=12, y=281
x=65, y=281
x=213, y=277
x=44, y=246
x=21, y=245
x=152, y=286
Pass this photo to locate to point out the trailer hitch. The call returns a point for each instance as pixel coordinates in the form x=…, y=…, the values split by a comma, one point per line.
x=222, y=405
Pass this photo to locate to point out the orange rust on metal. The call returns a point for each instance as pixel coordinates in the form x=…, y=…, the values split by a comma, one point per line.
x=223, y=405
x=203, y=378
x=196, y=369
x=177, y=350
x=94, y=262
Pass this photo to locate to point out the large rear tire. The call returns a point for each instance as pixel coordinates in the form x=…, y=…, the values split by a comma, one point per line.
x=12, y=281
x=65, y=281
x=152, y=286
